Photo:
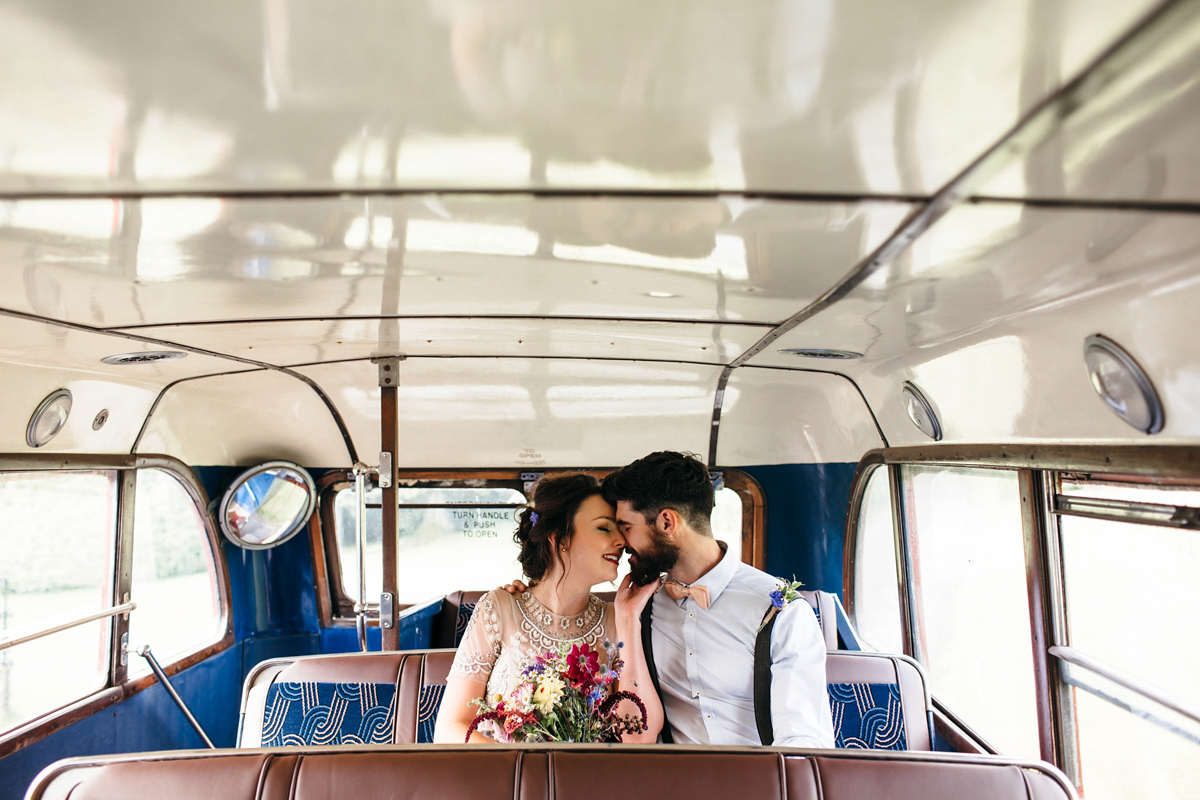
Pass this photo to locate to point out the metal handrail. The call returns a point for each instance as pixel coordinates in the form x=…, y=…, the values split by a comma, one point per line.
x=360, y=546
x=1124, y=680
x=144, y=652
x=124, y=608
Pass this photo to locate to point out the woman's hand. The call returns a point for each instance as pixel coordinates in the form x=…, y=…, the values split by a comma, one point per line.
x=632, y=599
x=635, y=677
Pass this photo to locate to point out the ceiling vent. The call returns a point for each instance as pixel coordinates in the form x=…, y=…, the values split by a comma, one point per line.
x=809, y=352
x=148, y=357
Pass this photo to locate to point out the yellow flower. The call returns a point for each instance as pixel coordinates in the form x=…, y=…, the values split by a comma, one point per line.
x=548, y=692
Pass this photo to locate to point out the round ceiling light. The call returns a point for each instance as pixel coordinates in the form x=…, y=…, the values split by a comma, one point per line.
x=1122, y=384
x=49, y=419
x=813, y=352
x=921, y=412
x=147, y=357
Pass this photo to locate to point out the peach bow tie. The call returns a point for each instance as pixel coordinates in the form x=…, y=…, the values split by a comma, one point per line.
x=697, y=592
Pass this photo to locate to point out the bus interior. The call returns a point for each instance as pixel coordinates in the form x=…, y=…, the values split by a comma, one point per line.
x=301, y=298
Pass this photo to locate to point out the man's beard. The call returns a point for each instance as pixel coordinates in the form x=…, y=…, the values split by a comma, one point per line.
x=658, y=558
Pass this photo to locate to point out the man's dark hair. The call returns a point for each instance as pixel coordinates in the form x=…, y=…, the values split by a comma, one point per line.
x=666, y=479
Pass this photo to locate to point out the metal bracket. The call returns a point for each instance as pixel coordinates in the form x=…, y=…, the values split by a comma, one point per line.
x=528, y=479
x=385, y=610
x=125, y=648
x=385, y=470
x=389, y=370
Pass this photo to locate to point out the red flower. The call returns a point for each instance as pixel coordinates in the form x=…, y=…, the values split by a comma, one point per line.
x=582, y=665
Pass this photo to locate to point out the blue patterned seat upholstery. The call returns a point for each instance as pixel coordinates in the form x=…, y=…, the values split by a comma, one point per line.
x=867, y=716
x=427, y=710
x=465, y=610
x=314, y=713
x=879, y=701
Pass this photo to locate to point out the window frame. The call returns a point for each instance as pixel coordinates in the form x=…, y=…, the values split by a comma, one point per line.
x=336, y=609
x=119, y=686
x=1039, y=469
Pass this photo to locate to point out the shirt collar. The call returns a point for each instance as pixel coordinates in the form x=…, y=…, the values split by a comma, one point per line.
x=717, y=578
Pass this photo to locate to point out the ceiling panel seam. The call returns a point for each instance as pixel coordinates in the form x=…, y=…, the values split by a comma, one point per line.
x=491, y=317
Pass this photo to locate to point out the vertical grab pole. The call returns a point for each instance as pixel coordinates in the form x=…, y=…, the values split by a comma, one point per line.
x=389, y=369
x=360, y=543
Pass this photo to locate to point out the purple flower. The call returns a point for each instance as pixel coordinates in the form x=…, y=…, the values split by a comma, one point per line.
x=777, y=598
x=533, y=517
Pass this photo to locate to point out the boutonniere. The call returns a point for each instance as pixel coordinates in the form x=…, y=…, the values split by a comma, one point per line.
x=787, y=592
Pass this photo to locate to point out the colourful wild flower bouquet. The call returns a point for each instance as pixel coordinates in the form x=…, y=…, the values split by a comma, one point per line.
x=564, y=696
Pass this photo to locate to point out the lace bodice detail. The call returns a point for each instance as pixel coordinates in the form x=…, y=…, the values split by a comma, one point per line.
x=507, y=632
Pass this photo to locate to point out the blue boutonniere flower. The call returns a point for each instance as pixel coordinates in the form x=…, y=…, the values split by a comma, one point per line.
x=787, y=592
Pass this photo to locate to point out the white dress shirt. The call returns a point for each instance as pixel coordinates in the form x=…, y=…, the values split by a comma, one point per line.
x=705, y=662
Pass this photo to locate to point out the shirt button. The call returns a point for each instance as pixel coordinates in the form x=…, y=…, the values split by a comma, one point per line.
x=691, y=614
x=690, y=653
x=708, y=715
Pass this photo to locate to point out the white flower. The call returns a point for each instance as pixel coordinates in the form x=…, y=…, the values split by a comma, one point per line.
x=548, y=692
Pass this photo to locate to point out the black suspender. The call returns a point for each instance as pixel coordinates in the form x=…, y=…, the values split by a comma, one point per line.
x=762, y=677
x=762, y=673
x=648, y=650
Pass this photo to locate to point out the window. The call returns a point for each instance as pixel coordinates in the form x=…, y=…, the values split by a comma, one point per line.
x=449, y=539
x=173, y=584
x=460, y=537
x=876, y=591
x=966, y=536
x=56, y=534
x=1132, y=597
x=60, y=540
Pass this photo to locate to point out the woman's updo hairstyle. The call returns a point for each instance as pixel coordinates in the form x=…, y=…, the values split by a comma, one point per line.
x=546, y=523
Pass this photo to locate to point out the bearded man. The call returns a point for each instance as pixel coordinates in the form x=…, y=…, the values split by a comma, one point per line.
x=705, y=620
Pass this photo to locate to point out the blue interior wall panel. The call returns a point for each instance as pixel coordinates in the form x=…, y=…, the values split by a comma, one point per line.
x=806, y=521
x=149, y=720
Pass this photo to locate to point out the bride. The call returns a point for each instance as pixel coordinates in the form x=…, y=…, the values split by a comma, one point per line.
x=569, y=543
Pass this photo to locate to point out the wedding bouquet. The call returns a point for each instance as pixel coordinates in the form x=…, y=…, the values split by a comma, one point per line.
x=564, y=696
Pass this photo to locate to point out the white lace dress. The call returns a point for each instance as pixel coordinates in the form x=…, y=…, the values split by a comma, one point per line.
x=507, y=632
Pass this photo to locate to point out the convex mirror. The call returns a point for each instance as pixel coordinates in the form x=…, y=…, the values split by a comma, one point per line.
x=267, y=504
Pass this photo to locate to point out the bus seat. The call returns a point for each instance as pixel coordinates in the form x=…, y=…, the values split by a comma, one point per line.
x=545, y=771
x=451, y=622
x=823, y=607
x=345, y=698
x=879, y=701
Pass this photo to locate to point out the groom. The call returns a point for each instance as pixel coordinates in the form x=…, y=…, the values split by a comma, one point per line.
x=704, y=624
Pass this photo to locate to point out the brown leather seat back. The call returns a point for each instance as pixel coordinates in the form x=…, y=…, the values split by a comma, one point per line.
x=546, y=772
x=422, y=684
x=450, y=623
